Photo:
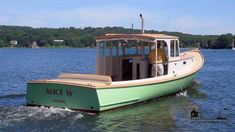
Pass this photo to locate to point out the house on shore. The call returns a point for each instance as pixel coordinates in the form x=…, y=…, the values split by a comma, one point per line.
x=13, y=42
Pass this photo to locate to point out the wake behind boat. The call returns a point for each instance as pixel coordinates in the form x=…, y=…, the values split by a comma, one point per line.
x=130, y=68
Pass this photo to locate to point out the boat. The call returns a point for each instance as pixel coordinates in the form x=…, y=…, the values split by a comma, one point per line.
x=123, y=75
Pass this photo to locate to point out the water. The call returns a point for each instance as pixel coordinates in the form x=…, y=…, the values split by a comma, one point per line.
x=212, y=91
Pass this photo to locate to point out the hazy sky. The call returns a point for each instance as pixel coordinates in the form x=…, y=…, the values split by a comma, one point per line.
x=188, y=16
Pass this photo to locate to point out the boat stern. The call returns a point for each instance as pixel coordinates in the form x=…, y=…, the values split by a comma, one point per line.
x=61, y=95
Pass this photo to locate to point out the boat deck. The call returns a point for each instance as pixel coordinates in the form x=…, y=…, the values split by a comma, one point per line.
x=101, y=81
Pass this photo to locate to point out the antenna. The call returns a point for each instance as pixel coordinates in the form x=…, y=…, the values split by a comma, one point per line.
x=142, y=23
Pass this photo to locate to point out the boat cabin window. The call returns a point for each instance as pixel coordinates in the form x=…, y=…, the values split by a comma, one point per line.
x=132, y=48
x=108, y=48
x=177, y=51
x=127, y=59
x=101, y=48
x=114, y=48
x=174, y=48
x=147, y=49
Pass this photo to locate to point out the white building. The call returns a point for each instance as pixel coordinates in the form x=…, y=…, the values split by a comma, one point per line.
x=13, y=42
x=58, y=41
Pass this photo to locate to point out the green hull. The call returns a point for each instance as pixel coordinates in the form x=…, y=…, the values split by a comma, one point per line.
x=91, y=99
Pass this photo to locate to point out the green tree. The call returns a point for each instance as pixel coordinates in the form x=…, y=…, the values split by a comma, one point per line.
x=2, y=44
x=224, y=41
x=43, y=43
x=77, y=37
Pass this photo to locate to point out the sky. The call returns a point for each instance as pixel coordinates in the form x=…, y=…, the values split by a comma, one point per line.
x=206, y=17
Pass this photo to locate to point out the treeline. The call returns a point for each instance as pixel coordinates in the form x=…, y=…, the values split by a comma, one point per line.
x=78, y=37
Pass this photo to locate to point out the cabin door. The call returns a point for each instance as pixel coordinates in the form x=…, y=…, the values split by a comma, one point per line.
x=159, y=58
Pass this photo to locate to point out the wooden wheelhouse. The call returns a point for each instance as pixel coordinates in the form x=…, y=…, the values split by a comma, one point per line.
x=126, y=56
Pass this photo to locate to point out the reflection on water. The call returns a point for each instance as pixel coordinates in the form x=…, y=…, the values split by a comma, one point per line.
x=154, y=115
x=195, y=93
x=151, y=116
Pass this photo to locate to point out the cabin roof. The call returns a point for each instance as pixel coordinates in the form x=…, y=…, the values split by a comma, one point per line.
x=135, y=36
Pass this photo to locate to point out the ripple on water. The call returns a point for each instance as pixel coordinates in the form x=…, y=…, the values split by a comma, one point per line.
x=33, y=117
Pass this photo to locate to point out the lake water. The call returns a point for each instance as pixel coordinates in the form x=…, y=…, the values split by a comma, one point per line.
x=213, y=92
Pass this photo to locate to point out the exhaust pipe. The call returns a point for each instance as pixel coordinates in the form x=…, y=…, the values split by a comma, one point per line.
x=142, y=24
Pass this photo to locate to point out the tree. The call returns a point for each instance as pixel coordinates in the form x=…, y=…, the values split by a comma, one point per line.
x=2, y=44
x=224, y=41
x=43, y=43
x=77, y=37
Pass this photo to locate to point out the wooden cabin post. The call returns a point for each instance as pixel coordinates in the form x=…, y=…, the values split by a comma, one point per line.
x=119, y=46
x=156, y=58
x=104, y=49
x=111, y=58
x=97, y=57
